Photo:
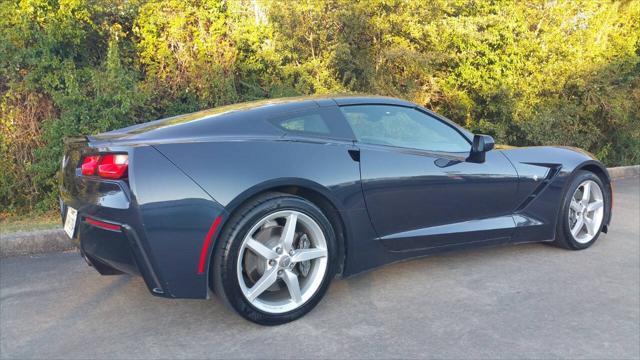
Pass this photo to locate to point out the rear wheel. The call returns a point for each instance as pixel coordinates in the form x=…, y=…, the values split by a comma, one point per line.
x=275, y=259
x=583, y=212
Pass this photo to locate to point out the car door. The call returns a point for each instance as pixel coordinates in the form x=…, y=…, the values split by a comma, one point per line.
x=419, y=190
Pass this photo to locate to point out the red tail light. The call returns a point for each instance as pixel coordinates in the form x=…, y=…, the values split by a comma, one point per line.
x=108, y=166
x=89, y=165
x=113, y=166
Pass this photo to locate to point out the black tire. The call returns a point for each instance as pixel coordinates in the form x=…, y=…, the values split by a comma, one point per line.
x=226, y=253
x=564, y=238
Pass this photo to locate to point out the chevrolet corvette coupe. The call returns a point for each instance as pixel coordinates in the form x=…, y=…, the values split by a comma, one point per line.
x=264, y=203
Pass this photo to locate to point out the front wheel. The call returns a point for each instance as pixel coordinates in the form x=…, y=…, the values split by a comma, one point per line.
x=275, y=259
x=583, y=212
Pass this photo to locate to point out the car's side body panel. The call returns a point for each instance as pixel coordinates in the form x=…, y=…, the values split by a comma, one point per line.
x=176, y=215
x=436, y=199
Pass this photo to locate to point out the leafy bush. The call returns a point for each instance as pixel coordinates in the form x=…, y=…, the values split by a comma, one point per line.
x=526, y=72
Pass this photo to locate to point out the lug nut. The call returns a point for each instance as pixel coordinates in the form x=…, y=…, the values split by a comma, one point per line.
x=272, y=262
x=291, y=252
x=280, y=272
x=279, y=250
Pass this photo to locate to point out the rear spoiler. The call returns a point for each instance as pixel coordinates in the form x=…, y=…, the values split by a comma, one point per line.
x=75, y=140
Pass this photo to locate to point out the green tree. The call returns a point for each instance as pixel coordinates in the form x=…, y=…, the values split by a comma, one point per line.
x=531, y=72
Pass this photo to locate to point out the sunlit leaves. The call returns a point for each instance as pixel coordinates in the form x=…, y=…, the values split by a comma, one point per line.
x=528, y=72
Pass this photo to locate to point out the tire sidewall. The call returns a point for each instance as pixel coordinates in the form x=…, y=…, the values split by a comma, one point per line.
x=228, y=276
x=564, y=213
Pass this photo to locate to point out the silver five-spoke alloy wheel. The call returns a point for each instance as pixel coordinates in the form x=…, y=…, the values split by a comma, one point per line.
x=586, y=211
x=282, y=261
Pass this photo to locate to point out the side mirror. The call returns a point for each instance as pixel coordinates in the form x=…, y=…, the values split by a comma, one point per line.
x=481, y=144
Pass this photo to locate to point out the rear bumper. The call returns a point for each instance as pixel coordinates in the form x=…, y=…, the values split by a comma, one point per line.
x=111, y=247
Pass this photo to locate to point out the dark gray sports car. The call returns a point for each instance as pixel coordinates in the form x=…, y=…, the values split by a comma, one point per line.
x=263, y=203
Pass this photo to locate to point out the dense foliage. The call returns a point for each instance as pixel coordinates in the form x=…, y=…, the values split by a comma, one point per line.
x=527, y=72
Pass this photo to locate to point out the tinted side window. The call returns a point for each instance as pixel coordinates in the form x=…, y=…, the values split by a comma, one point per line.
x=309, y=123
x=403, y=127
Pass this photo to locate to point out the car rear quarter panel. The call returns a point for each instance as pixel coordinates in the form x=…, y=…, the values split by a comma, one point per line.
x=175, y=216
x=227, y=169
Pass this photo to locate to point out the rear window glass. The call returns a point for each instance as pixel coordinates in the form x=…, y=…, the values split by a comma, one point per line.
x=307, y=123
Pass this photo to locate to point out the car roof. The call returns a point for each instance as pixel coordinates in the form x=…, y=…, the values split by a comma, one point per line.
x=238, y=119
x=293, y=103
x=368, y=99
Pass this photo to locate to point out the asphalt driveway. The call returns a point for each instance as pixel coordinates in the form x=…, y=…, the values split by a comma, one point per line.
x=532, y=301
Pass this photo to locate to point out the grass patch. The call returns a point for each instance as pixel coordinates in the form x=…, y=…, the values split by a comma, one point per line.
x=29, y=222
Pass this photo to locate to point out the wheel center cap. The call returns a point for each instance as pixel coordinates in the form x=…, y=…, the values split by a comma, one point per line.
x=285, y=261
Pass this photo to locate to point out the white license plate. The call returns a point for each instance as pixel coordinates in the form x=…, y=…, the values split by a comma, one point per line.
x=70, y=221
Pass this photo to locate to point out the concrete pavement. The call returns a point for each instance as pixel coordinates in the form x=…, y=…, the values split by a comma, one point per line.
x=525, y=301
